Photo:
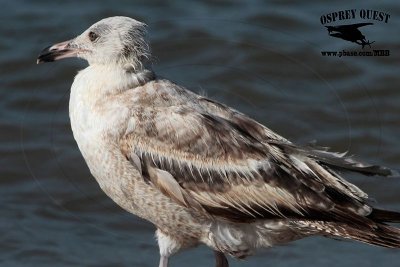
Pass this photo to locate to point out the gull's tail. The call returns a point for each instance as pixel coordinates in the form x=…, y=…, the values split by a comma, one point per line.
x=381, y=235
x=372, y=229
x=378, y=234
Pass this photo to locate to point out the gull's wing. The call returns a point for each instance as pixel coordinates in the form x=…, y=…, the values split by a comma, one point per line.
x=321, y=154
x=206, y=156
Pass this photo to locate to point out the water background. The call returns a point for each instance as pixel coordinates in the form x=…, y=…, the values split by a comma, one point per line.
x=261, y=57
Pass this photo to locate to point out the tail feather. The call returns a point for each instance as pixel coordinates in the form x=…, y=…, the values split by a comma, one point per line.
x=382, y=235
x=379, y=235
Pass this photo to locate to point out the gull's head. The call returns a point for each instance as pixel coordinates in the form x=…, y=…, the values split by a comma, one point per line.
x=114, y=40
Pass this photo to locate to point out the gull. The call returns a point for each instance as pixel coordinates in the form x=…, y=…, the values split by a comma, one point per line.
x=200, y=171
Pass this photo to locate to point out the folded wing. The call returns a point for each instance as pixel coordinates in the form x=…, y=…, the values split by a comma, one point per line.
x=221, y=163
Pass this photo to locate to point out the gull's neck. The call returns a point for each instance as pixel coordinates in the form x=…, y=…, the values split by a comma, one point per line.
x=92, y=102
x=91, y=89
x=99, y=79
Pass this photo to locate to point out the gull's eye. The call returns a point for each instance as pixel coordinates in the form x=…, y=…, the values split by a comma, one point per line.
x=93, y=36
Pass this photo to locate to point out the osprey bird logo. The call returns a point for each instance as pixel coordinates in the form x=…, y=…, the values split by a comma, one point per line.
x=350, y=33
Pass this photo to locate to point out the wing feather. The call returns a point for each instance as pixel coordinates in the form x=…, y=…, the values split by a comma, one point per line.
x=220, y=162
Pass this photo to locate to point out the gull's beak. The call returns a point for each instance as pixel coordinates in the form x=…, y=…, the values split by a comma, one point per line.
x=58, y=51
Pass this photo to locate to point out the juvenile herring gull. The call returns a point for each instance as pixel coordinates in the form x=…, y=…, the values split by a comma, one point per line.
x=200, y=171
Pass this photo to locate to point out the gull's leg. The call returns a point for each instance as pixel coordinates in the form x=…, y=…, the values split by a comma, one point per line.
x=168, y=246
x=163, y=261
x=220, y=259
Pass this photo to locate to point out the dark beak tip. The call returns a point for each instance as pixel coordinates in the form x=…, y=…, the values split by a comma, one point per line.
x=55, y=52
x=40, y=61
x=44, y=55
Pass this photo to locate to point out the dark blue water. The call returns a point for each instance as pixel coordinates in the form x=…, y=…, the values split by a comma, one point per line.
x=261, y=57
